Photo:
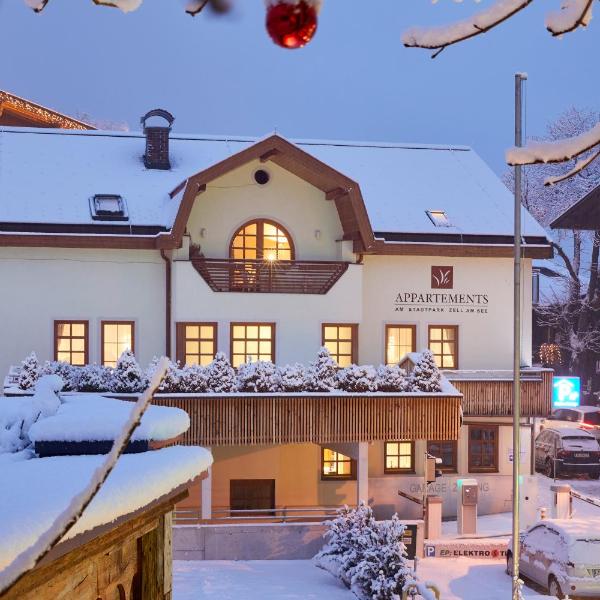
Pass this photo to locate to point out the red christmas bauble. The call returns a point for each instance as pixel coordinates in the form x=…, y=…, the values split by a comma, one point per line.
x=292, y=24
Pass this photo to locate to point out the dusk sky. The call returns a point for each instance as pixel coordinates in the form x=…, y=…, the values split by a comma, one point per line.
x=223, y=75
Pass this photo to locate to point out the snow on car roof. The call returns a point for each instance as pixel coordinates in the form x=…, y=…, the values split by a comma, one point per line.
x=588, y=409
x=570, y=431
x=399, y=182
x=575, y=529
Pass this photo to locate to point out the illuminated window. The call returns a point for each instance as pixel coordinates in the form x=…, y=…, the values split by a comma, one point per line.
x=71, y=342
x=439, y=218
x=399, y=457
x=399, y=341
x=196, y=343
x=341, y=341
x=483, y=448
x=117, y=336
x=335, y=465
x=251, y=342
x=446, y=450
x=261, y=239
x=443, y=342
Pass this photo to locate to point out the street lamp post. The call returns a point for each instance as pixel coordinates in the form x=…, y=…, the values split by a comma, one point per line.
x=516, y=593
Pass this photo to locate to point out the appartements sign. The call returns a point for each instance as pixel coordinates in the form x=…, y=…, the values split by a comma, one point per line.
x=442, y=278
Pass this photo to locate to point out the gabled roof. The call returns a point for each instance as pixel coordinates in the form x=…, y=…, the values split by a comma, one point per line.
x=381, y=191
x=16, y=111
x=584, y=214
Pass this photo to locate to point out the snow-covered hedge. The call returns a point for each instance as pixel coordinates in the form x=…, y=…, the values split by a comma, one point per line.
x=322, y=375
x=367, y=555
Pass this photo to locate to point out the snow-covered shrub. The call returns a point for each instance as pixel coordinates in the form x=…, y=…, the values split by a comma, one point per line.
x=30, y=372
x=193, y=379
x=66, y=371
x=221, y=375
x=392, y=378
x=322, y=374
x=92, y=378
x=261, y=376
x=293, y=378
x=426, y=376
x=171, y=381
x=357, y=378
x=383, y=569
x=127, y=377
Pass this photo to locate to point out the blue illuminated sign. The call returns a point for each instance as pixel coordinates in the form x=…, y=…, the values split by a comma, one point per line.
x=566, y=392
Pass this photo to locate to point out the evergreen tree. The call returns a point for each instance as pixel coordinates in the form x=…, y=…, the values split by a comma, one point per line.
x=127, y=377
x=392, y=378
x=357, y=378
x=193, y=379
x=426, y=376
x=221, y=375
x=171, y=381
x=322, y=374
x=30, y=372
x=261, y=376
x=66, y=371
x=293, y=378
x=93, y=378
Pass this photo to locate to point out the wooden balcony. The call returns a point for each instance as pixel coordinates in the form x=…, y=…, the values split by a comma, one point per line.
x=269, y=277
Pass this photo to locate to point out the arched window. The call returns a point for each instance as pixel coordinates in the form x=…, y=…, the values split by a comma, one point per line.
x=261, y=240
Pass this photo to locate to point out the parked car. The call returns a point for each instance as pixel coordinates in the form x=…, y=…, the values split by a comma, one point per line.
x=563, y=555
x=563, y=450
x=586, y=417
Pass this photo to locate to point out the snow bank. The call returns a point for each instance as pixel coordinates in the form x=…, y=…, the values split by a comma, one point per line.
x=34, y=492
x=94, y=417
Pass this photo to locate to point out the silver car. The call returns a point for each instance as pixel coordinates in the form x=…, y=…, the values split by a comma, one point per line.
x=584, y=417
x=562, y=555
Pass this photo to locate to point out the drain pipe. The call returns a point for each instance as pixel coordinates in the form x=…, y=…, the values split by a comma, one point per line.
x=167, y=303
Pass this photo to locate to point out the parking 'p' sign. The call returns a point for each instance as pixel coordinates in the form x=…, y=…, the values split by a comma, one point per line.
x=566, y=392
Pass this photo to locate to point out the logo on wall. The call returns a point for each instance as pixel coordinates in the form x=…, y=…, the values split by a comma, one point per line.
x=442, y=278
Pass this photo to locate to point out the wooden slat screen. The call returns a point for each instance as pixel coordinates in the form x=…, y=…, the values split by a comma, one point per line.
x=252, y=420
x=489, y=398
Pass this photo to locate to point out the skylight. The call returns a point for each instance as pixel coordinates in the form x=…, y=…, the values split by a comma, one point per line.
x=439, y=218
x=108, y=207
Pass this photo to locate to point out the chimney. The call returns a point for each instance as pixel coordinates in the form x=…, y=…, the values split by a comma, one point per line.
x=157, y=140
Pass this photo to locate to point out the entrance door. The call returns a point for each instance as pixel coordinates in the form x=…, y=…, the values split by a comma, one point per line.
x=252, y=494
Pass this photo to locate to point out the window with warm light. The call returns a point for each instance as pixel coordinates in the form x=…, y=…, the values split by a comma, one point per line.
x=251, y=342
x=71, y=342
x=117, y=336
x=443, y=342
x=262, y=239
x=196, y=343
x=335, y=465
x=399, y=457
x=399, y=341
x=341, y=340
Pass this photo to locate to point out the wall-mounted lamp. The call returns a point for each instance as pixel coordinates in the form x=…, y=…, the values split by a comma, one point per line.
x=317, y=234
x=203, y=232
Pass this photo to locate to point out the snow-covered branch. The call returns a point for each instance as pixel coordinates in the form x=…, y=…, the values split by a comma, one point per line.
x=438, y=38
x=579, y=166
x=28, y=559
x=572, y=14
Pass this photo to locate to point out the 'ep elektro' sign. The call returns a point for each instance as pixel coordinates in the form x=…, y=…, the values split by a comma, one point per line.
x=566, y=392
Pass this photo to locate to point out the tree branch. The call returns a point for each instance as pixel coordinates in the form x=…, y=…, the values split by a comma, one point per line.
x=573, y=14
x=566, y=260
x=579, y=166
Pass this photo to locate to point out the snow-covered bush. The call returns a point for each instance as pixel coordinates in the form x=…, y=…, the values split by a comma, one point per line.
x=357, y=378
x=425, y=376
x=171, y=382
x=193, y=379
x=127, y=377
x=383, y=569
x=322, y=374
x=30, y=372
x=66, y=371
x=92, y=378
x=392, y=378
x=293, y=378
x=261, y=376
x=221, y=375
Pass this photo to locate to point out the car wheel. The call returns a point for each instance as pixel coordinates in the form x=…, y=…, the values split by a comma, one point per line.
x=554, y=588
x=549, y=469
x=594, y=475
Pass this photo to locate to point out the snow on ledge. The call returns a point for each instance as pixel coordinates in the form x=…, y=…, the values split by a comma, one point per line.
x=93, y=417
x=34, y=492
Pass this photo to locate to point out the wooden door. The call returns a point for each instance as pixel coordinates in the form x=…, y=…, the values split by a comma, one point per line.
x=252, y=494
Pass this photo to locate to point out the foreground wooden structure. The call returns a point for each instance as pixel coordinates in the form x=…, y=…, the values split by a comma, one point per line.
x=253, y=419
x=130, y=559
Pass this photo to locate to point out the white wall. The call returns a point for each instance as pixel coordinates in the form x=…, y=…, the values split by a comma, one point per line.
x=41, y=285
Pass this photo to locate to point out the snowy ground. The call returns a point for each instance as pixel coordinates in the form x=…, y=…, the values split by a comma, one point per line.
x=255, y=580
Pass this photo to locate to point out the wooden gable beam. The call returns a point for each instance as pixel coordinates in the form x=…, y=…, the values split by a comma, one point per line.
x=335, y=193
x=269, y=154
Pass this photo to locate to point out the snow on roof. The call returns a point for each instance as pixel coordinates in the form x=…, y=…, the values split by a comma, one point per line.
x=399, y=182
x=92, y=417
x=34, y=492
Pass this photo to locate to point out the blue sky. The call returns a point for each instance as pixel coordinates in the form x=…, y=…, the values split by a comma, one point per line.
x=354, y=81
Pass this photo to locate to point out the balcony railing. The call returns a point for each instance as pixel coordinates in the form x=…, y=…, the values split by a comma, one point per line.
x=271, y=277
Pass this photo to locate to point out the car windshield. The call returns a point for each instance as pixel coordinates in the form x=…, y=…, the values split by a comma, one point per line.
x=592, y=418
x=585, y=551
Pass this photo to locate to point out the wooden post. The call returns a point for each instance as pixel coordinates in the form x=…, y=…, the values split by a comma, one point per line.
x=206, y=496
x=168, y=555
x=155, y=571
x=363, y=473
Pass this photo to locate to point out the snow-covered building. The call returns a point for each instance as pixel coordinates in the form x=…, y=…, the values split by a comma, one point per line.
x=266, y=250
